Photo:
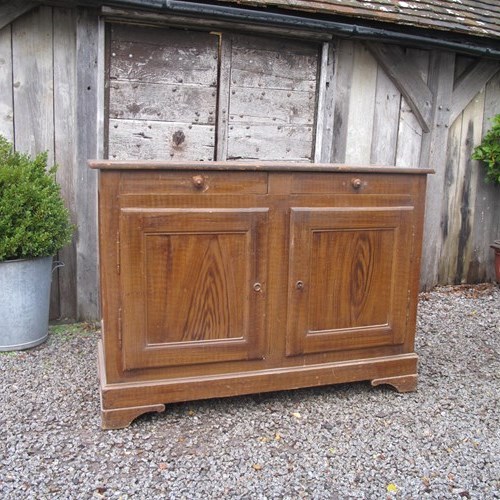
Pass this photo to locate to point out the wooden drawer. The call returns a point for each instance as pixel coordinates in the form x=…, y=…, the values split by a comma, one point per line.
x=193, y=182
x=351, y=183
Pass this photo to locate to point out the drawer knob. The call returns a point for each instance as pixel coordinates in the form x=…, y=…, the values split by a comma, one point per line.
x=257, y=287
x=356, y=183
x=299, y=285
x=198, y=181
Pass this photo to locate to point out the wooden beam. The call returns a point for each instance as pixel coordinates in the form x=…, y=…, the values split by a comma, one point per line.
x=87, y=147
x=470, y=85
x=407, y=79
x=11, y=10
x=433, y=155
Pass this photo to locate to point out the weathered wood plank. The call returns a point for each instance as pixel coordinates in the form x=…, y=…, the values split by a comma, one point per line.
x=87, y=52
x=361, y=107
x=163, y=56
x=165, y=102
x=385, y=121
x=460, y=194
x=12, y=9
x=32, y=76
x=270, y=142
x=64, y=140
x=6, y=99
x=273, y=64
x=486, y=224
x=433, y=154
x=405, y=76
x=470, y=84
x=33, y=96
x=150, y=140
x=409, y=130
x=224, y=91
x=271, y=105
x=343, y=77
x=328, y=113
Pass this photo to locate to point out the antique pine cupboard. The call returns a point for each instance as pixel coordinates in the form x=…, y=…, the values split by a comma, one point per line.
x=232, y=278
x=235, y=256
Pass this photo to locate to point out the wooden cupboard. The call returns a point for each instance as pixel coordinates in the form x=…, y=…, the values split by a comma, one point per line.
x=231, y=278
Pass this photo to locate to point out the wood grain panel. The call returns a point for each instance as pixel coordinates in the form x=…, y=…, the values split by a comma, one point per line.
x=344, y=296
x=179, y=312
x=347, y=269
x=192, y=298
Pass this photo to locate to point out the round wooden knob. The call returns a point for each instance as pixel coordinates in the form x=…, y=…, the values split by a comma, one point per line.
x=356, y=183
x=198, y=181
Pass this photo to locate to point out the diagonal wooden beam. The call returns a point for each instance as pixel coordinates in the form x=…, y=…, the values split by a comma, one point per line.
x=10, y=10
x=470, y=85
x=405, y=76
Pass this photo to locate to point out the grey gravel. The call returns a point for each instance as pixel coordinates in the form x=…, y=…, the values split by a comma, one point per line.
x=344, y=441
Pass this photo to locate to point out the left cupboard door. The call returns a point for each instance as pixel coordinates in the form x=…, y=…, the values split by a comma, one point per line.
x=193, y=285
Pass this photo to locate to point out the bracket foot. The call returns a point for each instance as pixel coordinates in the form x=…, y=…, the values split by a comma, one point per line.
x=404, y=383
x=120, y=418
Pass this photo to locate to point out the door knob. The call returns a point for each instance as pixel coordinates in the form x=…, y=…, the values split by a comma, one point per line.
x=299, y=285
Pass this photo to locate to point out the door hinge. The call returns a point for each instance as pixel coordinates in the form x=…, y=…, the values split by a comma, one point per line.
x=120, y=335
x=118, y=252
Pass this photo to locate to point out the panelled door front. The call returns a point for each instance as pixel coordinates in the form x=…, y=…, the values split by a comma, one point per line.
x=193, y=285
x=348, y=278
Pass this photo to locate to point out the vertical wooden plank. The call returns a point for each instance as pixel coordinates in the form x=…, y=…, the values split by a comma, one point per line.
x=87, y=53
x=486, y=224
x=409, y=130
x=433, y=154
x=64, y=140
x=32, y=75
x=342, y=84
x=385, y=121
x=6, y=101
x=325, y=102
x=460, y=194
x=225, y=52
x=361, y=107
x=33, y=82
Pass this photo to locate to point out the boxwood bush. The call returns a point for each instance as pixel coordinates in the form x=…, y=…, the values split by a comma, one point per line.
x=33, y=219
x=489, y=152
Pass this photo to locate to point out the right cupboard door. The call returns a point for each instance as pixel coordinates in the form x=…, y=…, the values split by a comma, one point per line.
x=349, y=278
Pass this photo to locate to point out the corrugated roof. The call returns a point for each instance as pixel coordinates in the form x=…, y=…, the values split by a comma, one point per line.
x=471, y=17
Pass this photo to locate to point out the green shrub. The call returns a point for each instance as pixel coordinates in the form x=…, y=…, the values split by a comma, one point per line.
x=489, y=152
x=33, y=219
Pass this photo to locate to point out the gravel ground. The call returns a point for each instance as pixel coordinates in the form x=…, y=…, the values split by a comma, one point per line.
x=344, y=441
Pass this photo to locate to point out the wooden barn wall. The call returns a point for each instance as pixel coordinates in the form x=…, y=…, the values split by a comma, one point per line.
x=52, y=98
x=46, y=66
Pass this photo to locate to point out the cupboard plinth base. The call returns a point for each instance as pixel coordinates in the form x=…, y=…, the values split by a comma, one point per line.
x=406, y=383
x=122, y=402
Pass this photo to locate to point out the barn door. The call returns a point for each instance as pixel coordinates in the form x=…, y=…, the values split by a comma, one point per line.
x=190, y=95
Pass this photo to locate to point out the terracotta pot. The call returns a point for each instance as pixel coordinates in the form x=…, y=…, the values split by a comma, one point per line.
x=496, y=248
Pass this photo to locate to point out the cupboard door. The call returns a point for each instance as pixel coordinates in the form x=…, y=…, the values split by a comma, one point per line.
x=193, y=285
x=348, y=279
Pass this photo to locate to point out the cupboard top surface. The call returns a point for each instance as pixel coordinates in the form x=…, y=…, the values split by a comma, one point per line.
x=252, y=166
